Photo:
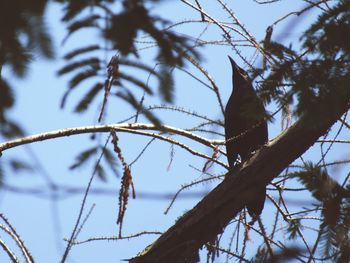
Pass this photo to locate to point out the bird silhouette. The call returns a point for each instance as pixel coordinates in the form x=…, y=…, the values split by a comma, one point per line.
x=245, y=128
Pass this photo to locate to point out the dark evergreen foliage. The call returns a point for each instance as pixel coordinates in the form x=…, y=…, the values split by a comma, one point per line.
x=23, y=33
x=121, y=32
x=322, y=74
x=82, y=160
x=334, y=202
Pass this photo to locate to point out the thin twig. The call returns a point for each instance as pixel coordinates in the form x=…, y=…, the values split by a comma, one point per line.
x=73, y=235
x=188, y=186
x=12, y=232
x=8, y=251
x=116, y=238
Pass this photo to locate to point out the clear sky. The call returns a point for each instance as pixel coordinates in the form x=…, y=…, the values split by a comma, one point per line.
x=43, y=221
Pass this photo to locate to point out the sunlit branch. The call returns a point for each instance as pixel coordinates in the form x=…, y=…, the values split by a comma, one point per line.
x=125, y=127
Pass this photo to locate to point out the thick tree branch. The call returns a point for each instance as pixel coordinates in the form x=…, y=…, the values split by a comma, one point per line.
x=209, y=217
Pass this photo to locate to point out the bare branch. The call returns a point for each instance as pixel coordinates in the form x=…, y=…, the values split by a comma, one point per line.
x=12, y=232
x=124, y=127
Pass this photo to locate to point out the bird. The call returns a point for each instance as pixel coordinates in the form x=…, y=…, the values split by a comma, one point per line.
x=245, y=128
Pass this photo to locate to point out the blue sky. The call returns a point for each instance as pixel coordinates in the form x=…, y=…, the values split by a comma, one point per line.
x=42, y=222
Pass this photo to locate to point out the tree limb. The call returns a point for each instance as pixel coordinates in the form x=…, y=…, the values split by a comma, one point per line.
x=123, y=127
x=181, y=242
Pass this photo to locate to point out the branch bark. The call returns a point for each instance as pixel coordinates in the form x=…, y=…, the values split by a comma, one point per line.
x=135, y=128
x=123, y=127
x=181, y=242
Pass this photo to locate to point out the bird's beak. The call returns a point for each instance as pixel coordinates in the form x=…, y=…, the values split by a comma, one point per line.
x=237, y=71
x=233, y=63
